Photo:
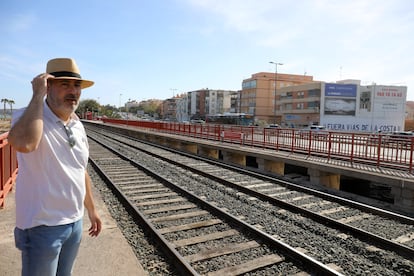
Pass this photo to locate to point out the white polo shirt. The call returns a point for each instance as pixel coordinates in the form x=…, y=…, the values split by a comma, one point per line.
x=50, y=185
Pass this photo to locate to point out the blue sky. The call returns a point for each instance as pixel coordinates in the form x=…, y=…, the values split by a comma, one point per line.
x=153, y=49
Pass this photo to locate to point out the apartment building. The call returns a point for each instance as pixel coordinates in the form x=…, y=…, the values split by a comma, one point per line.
x=203, y=102
x=181, y=112
x=259, y=94
x=298, y=101
x=168, y=109
x=299, y=105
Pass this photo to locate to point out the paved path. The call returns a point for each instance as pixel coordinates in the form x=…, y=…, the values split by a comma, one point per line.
x=108, y=254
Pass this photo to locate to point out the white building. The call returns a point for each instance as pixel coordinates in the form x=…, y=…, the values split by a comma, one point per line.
x=182, y=110
x=348, y=106
x=206, y=102
x=219, y=102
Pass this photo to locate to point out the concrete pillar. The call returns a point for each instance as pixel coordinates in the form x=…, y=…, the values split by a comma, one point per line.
x=191, y=148
x=232, y=157
x=276, y=167
x=154, y=139
x=208, y=152
x=404, y=197
x=163, y=141
x=330, y=180
x=172, y=144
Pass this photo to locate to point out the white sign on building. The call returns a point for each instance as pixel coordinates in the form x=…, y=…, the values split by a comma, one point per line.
x=351, y=107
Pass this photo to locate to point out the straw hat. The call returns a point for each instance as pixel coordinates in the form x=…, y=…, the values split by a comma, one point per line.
x=66, y=68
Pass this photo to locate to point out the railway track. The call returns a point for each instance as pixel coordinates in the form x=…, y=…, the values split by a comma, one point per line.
x=195, y=234
x=355, y=227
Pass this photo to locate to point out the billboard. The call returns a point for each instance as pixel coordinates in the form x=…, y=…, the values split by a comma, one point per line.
x=340, y=90
x=364, y=108
x=340, y=99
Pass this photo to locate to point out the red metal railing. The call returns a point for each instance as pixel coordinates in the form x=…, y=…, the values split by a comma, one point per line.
x=8, y=168
x=380, y=150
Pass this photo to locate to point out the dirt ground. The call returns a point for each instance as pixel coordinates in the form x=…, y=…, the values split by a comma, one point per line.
x=4, y=126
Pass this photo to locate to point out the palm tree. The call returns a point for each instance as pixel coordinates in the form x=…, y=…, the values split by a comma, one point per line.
x=4, y=101
x=11, y=103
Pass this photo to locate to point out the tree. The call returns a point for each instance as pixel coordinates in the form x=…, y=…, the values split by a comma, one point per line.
x=88, y=105
x=93, y=106
x=110, y=111
x=133, y=109
x=150, y=107
x=4, y=101
x=11, y=103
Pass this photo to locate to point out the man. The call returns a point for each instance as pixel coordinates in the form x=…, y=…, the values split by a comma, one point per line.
x=52, y=186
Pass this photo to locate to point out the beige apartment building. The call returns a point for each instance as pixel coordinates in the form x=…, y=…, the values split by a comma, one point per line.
x=299, y=105
x=261, y=92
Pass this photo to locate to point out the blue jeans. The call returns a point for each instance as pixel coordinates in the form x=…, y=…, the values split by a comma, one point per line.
x=49, y=250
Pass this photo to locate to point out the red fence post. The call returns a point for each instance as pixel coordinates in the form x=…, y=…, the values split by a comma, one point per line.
x=8, y=168
x=411, y=155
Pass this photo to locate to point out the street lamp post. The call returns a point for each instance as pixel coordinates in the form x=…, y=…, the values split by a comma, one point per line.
x=99, y=107
x=276, y=64
x=127, y=108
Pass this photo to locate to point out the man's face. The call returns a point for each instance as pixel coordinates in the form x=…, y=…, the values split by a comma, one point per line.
x=63, y=96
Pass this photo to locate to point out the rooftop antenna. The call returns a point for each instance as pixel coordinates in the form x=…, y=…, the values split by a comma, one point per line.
x=340, y=72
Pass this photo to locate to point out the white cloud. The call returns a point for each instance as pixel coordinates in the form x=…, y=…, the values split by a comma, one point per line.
x=370, y=39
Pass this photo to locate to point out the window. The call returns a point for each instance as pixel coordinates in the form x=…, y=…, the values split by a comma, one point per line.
x=313, y=104
x=249, y=84
x=314, y=93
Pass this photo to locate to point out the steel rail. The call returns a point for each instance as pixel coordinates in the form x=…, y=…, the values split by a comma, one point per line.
x=179, y=262
x=379, y=241
x=313, y=265
x=266, y=177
